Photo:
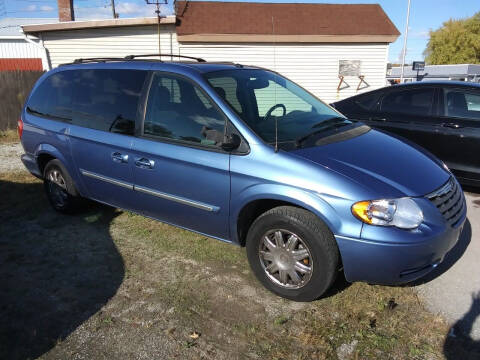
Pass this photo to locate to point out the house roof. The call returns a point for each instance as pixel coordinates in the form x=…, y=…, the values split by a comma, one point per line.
x=282, y=22
x=94, y=24
x=10, y=27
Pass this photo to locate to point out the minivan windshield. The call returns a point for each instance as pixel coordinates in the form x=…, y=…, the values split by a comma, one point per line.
x=261, y=98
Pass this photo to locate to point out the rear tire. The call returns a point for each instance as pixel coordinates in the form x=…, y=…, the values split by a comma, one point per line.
x=59, y=188
x=293, y=253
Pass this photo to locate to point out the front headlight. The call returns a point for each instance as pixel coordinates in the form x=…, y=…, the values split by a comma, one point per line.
x=403, y=213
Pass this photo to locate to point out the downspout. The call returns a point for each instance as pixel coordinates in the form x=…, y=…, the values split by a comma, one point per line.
x=46, y=59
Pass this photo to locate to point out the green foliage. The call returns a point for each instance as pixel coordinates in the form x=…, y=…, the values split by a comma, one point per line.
x=456, y=42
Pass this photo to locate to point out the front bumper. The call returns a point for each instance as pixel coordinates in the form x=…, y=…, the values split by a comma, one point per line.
x=403, y=257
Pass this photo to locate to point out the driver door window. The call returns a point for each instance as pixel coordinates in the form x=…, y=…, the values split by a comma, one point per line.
x=179, y=110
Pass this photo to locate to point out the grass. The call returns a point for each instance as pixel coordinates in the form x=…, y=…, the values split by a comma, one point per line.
x=8, y=136
x=371, y=322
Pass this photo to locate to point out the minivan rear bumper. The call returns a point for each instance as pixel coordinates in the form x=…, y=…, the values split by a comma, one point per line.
x=396, y=263
x=30, y=163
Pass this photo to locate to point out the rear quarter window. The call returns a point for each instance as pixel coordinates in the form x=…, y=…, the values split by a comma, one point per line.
x=53, y=97
x=100, y=99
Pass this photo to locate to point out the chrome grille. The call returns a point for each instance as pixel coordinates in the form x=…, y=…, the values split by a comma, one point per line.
x=450, y=201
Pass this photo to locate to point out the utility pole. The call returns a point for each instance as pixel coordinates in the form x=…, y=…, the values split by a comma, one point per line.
x=114, y=13
x=157, y=11
x=405, y=43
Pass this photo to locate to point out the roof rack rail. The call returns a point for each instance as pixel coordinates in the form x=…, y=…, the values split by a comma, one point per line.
x=90, y=60
x=129, y=58
x=132, y=57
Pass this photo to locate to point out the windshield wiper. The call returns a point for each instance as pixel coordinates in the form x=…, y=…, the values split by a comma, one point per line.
x=335, y=119
x=300, y=140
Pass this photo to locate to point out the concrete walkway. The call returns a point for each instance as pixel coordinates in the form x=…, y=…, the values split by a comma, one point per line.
x=452, y=288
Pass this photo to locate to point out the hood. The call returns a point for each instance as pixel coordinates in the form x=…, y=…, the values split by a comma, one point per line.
x=385, y=165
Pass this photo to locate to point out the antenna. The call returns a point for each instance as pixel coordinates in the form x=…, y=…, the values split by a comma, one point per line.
x=275, y=72
x=157, y=11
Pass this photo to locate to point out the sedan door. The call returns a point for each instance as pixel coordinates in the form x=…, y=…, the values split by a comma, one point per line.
x=460, y=117
x=181, y=174
x=411, y=113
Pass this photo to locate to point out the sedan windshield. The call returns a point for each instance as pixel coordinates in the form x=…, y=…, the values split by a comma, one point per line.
x=267, y=101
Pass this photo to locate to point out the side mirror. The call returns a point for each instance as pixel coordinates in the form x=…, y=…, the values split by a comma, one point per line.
x=226, y=142
x=231, y=142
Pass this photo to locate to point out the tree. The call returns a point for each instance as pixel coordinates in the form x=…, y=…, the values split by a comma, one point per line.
x=456, y=42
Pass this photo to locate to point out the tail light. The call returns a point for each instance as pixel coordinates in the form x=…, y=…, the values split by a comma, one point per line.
x=20, y=127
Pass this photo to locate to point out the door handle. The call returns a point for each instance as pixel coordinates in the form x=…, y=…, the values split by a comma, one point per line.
x=452, y=125
x=378, y=119
x=144, y=163
x=119, y=158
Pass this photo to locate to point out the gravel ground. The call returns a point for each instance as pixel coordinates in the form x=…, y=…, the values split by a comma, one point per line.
x=10, y=157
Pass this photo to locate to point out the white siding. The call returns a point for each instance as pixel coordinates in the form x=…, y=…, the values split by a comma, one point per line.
x=18, y=48
x=66, y=46
x=313, y=66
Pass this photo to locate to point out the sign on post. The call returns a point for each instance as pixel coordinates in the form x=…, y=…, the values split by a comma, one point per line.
x=418, y=66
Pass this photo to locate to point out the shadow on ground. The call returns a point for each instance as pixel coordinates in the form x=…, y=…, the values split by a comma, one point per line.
x=56, y=271
x=458, y=343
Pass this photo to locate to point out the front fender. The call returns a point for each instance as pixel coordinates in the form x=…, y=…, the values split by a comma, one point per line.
x=333, y=211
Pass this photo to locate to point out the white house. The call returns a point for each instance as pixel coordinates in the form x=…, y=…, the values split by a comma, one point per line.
x=16, y=51
x=335, y=51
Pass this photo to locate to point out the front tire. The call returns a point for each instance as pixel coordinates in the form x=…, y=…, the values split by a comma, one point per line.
x=59, y=188
x=292, y=253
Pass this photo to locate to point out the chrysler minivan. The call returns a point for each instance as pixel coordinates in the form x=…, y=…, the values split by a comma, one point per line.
x=243, y=155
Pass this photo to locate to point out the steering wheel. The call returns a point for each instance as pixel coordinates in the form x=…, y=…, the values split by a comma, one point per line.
x=272, y=109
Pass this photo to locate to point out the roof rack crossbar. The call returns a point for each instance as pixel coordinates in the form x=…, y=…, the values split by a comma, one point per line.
x=100, y=59
x=131, y=57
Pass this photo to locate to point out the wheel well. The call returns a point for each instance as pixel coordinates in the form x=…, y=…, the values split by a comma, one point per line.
x=43, y=160
x=253, y=210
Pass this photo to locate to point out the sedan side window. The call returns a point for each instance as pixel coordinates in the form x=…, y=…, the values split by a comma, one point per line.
x=462, y=104
x=179, y=110
x=413, y=102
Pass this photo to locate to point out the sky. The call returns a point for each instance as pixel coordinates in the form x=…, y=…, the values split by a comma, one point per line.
x=425, y=15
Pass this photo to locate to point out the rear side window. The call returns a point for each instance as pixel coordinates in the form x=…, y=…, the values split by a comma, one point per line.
x=179, y=110
x=413, y=102
x=53, y=97
x=107, y=99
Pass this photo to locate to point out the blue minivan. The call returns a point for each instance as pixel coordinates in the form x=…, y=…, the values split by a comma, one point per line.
x=244, y=155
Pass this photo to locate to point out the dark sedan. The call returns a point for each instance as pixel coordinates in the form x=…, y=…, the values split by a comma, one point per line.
x=441, y=116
